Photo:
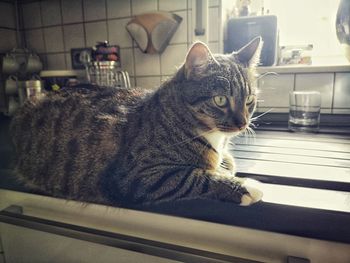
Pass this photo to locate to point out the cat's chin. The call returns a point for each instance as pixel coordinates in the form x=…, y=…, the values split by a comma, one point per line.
x=230, y=132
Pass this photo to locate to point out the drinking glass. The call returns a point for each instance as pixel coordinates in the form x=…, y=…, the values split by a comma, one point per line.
x=304, y=111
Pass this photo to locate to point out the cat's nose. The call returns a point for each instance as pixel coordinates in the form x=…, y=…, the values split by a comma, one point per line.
x=240, y=123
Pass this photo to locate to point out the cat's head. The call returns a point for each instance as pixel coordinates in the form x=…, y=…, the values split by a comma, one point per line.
x=219, y=89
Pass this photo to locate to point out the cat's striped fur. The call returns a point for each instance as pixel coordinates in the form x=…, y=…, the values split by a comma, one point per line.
x=121, y=147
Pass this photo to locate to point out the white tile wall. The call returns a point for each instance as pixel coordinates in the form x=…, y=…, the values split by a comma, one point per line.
x=342, y=92
x=322, y=82
x=54, y=39
x=142, y=6
x=172, y=58
x=43, y=59
x=213, y=24
x=341, y=111
x=146, y=64
x=213, y=3
x=180, y=35
x=214, y=47
x=118, y=8
x=35, y=40
x=171, y=5
x=127, y=61
x=190, y=28
x=68, y=61
x=72, y=11
x=73, y=36
x=77, y=27
x=335, y=92
x=149, y=70
x=7, y=15
x=7, y=39
x=51, y=12
x=56, y=61
x=31, y=15
x=274, y=91
x=118, y=34
x=148, y=82
x=96, y=31
x=94, y=10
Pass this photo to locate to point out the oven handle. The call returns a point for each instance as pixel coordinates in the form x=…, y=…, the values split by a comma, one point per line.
x=14, y=215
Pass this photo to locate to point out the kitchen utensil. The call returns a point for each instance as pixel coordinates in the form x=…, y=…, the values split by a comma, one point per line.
x=33, y=87
x=9, y=64
x=33, y=64
x=153, y=31
x=11, y=85
x=108, y=74
x=13, y=105
x=105, y=52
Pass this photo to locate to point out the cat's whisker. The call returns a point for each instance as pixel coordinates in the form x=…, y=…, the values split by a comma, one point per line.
x=251, y=131
x=257, y=77
x=266, y=74
x=252, y=124
x=249, y=135
x=262, y=114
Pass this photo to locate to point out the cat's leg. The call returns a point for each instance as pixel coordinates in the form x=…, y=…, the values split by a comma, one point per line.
x=228, y=163
x=227, y=188
x=252, y=186
x=188, y=183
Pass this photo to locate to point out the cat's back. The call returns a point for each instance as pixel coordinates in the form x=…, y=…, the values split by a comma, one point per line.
x=65, y=139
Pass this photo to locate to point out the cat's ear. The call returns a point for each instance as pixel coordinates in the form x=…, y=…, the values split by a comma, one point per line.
x=249, y=55
x=197, y=60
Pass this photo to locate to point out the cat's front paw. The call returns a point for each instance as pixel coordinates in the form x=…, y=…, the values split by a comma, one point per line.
x=254, y=194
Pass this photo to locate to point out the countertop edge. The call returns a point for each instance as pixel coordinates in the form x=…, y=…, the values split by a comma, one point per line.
x=305, y=69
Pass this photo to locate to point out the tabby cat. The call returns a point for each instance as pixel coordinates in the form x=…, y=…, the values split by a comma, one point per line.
x=132, y=147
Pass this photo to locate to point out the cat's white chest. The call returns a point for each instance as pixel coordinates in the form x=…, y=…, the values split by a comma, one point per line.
x=217, y=140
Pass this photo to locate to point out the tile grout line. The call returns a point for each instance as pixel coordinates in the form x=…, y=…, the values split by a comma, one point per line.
x=333, y=92
x=87, y=22
x=63, y=38
x=106, y=14
x=84, y=29
x=189, y=24
x=22, y=34
x=294, y=81
x=133, y=49
x=43, y=33
x=159, y=55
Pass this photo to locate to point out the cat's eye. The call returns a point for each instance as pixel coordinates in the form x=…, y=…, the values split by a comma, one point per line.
x=249, y=99
x=220, y=101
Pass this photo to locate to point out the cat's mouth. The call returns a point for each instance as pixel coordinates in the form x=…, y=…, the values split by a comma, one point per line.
x=231, y=129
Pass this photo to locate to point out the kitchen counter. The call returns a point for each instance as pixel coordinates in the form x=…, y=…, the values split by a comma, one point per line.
x=306, y=184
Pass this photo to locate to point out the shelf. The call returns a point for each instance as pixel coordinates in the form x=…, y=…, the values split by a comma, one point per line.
x=61, y=73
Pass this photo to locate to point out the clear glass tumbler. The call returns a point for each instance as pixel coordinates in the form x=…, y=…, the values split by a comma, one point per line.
x=304, y=111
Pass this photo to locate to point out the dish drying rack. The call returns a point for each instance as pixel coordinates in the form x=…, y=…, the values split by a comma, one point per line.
x=102, y=66
x=108, y=74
